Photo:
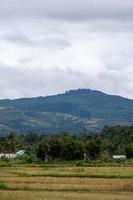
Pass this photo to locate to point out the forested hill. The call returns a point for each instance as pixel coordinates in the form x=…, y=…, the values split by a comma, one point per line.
x=73, y=111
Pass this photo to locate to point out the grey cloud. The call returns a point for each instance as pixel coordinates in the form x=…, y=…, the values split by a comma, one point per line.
x=120, y=58
x=116, y=82
x=40, y=38
x=18, y=83
x=70, y=9
x=25, y=60
x=18, y=38
x=56, y=42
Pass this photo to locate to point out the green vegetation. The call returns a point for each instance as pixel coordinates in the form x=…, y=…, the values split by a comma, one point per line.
x=87, y=149
x=2, y=186
x=66, y=166
x=71, y=111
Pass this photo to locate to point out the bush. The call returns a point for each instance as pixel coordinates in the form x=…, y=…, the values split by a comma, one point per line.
x=29, y=158
x=105, y=157
x=80, y=163
x=5, y=159
x=84, y=163
x=129, y=150
x=121, y=161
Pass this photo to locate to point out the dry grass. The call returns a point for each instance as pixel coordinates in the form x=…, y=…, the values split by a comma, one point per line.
x=52, y=183
x=33, y=185
x=16, y=195
x=103, y=172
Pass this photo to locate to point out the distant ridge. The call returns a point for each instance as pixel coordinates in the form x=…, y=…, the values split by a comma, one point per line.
x=72, y=111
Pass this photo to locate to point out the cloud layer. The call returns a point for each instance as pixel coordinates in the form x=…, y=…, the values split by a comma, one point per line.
x=49, y=47
x=81, y=9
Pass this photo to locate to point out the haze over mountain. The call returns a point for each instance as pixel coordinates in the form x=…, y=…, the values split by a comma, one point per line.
x=71, y=111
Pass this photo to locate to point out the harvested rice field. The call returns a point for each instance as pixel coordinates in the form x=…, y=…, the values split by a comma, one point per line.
x=51, y=183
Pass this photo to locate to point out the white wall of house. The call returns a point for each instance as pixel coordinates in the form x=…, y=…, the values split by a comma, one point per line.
x=12, y=155
x=116, y=157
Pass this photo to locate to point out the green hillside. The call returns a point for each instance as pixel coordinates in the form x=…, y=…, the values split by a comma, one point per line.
x=72, y=111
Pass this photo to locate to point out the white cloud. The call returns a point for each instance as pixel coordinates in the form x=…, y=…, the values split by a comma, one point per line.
x=49, y=47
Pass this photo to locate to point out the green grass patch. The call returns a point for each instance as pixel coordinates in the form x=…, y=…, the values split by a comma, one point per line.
x=75, y=175
x=3, y=185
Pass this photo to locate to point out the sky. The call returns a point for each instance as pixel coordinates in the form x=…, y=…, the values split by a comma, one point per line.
x=48, y=47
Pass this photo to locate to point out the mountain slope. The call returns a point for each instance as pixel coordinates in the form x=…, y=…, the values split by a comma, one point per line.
x=72, y=111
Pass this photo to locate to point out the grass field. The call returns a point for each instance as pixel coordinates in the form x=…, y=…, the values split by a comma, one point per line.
x=51, y=183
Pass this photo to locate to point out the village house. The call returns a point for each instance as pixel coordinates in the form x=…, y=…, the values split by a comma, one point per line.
x=12, y=155
x=117, y=157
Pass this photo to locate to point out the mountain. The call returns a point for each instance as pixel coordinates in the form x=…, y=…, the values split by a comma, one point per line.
x=71, y=111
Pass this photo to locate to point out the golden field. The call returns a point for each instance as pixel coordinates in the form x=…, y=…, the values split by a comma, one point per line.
x=51, y=183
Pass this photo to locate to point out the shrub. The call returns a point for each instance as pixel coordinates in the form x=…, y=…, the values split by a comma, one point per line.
x=30, y=158
x=5, y=159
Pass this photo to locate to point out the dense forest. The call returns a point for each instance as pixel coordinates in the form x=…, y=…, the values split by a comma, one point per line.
x=65, y=146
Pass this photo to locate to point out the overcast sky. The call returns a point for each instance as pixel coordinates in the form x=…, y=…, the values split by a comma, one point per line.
x=48, y=47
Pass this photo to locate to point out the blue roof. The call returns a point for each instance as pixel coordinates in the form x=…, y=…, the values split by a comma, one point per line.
x=21, y=152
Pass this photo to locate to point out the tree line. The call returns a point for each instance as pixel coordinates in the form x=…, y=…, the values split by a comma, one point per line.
x=110, y=141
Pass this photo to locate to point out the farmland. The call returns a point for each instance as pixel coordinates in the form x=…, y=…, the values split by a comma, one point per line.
x=65, y=182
